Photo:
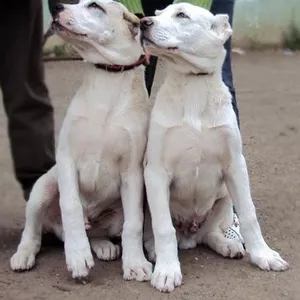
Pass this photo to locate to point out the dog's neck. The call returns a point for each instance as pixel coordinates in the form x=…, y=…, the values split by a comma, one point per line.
x=200, y=94
x=122, y=68
x=192, y=64
x=200, y=83
x=101, y=87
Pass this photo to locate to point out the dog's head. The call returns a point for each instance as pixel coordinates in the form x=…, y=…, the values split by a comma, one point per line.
x=102, y=31
x=189, y=37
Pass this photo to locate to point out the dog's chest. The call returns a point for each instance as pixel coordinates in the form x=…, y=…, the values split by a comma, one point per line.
x=194, y=149
x=101, y=150
x=196, y=161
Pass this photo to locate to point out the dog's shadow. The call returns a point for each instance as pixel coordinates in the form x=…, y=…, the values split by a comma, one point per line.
x=51, y=260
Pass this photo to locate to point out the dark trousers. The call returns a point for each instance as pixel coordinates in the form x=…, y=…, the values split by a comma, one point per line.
x=218, y=7
x=25, y=95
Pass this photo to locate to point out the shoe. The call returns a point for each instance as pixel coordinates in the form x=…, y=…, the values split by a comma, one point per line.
x=233, y=232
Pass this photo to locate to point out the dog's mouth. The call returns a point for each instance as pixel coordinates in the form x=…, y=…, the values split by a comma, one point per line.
x=60, y=28
x=146, y=40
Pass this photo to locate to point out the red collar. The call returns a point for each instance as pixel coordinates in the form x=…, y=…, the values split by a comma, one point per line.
x=119, y=68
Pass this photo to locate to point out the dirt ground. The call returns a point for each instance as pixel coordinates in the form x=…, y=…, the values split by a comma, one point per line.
x=269, y=100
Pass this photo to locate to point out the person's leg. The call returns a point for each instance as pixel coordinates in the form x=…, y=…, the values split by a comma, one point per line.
x=25, y=96
x=227, y=7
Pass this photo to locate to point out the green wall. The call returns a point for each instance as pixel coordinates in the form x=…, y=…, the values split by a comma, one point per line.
x=264, y=22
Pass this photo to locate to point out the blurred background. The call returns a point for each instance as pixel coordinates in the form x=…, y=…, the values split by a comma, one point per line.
x=258, y=24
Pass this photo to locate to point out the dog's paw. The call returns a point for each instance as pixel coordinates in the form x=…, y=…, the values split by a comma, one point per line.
x=224, y=246
x=268, y=259
x=23, y=259
x=106, y=250
x=186, y=243
x=231, y=249
x=79, y=260
x=166, y=277
x=137, y=269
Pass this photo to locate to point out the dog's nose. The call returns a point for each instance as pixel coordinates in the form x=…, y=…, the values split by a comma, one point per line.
x=146, y=23
x=57, y=9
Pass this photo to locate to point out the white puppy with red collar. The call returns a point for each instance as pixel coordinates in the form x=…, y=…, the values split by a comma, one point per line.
x=99, y=171
x=194, y=166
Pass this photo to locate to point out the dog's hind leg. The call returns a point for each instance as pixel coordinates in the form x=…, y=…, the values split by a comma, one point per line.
x=185, y=242
x=212, y=232
x=43, y=193
x=105, y=249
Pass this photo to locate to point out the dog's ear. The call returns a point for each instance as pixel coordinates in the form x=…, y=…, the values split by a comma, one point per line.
x=222, y=27
x=133, y=23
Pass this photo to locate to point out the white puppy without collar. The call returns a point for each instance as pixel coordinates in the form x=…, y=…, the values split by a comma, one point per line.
x=194, y=165
x=100, y=149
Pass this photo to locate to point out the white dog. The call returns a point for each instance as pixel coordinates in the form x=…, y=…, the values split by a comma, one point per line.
x=100, y=149
x=194, y=166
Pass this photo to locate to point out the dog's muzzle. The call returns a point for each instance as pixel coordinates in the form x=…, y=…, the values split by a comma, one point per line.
x=146, y=23
x=56, y=9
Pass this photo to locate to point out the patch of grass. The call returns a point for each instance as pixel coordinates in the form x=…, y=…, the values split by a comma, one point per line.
x=56, y=51
x=47, y=52
x=59, y=50
x=291, y=39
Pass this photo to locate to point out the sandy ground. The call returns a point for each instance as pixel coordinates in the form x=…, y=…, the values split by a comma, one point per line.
x=268, y=95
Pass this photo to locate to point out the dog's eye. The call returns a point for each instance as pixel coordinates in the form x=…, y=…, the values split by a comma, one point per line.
x=182, y=15
x=95, y=5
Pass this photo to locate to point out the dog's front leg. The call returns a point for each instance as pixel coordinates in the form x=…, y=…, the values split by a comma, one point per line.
x=237, y=181
x=167, y=271
x=135, y=265
x=78, y=253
